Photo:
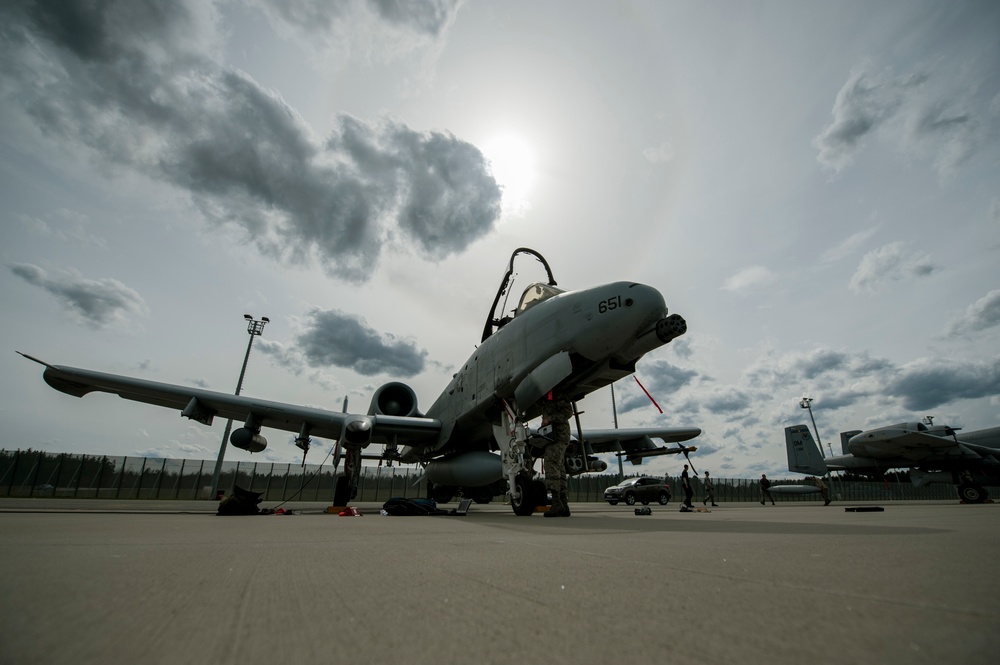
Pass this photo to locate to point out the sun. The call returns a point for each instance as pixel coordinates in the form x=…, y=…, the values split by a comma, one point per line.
x=512, y=162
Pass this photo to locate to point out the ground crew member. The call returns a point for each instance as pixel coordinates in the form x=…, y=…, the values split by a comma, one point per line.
x=824, y=492
x=688, y=490
x=765, y=489
x=709, y=491
x=557, y=409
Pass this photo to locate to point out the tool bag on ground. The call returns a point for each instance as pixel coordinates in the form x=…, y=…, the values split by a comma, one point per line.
x=240, y=502
x=399, y=505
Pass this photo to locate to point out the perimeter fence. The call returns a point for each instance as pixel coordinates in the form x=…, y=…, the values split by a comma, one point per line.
x=40, y=474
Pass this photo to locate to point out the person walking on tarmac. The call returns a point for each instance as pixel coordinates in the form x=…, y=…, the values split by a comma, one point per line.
x=824, y=492
x=688, y=490
x=709, y=491
x=765, y=490
x=556, y=411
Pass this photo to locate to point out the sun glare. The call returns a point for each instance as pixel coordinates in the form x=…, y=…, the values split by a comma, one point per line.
x=513, y=165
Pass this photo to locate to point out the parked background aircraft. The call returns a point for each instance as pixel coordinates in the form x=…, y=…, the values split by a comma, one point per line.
x=571, y=341
x=932, y=453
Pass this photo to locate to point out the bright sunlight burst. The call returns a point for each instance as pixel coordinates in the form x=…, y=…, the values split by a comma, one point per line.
x=513, y=164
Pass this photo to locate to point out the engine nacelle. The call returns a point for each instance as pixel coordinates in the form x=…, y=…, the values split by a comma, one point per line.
x=248, y=440
x=394, y=399
x=357, y=432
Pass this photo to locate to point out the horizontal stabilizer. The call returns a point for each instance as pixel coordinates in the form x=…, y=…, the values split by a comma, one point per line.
x=803, y=453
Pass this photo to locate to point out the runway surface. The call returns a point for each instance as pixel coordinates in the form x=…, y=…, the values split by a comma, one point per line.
x=170, y=582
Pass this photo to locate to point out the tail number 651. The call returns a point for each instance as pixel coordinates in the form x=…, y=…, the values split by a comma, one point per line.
x=610, y=304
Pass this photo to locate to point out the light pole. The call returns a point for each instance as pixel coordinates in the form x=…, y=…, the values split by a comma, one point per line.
x=806, y=403
x=255, y=328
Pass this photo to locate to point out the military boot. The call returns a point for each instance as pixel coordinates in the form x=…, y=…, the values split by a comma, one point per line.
x=558, y=508
x=564, y=496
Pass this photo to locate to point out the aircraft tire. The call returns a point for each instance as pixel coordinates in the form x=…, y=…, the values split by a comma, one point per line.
x=526, y=502
x=342, y=492
x=972, y=493
x=664, y=499
x=442, y=493
x=630, y=499
x=481, y=494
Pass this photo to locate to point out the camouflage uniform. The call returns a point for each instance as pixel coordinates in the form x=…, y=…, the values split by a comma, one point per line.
x=556, y=411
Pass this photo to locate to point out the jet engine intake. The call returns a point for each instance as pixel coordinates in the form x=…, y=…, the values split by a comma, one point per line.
x=394, y=399
x=248, y=440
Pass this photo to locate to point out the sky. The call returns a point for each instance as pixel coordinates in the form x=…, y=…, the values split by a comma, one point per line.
x=813, y=186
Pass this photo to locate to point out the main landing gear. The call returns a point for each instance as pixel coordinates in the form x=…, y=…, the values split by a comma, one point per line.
x=526, y=492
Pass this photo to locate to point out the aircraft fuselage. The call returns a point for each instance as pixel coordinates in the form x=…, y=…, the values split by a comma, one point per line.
x=582, y=340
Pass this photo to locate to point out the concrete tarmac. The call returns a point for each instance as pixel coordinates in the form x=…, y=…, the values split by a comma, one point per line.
x=170, y=582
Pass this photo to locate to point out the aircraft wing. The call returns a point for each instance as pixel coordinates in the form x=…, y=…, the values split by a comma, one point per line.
x=919, y=446
x=204, y=405
x=637, y=443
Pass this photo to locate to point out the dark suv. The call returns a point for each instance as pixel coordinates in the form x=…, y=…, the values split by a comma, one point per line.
x=643, y=489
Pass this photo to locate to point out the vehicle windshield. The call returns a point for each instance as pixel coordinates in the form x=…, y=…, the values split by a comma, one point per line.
x=535, y=294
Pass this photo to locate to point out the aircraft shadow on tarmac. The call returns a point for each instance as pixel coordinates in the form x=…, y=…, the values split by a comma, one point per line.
x=692, y=524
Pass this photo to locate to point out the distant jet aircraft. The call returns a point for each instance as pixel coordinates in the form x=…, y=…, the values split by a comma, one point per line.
x=474, y=438
x=932, y=453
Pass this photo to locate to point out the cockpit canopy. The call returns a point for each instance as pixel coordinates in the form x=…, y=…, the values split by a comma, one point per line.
x=535, y=294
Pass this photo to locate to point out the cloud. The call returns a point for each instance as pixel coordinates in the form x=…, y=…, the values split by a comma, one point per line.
x=935, y=114
x=749, y=278
x=335, y=26
x=137, y=84
x=848, y=246
x=980, y=315
x=660, y=154
x=67, y=226
x=730, y=401
x=890, y=263
x=332, y=338
x=98, y=303
x=661, y=378
x=927, y=383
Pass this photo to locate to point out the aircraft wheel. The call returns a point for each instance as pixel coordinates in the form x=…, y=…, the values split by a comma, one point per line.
x=541, y=493
x=442, y=493
x=342, y=492
x=526, y=501
x=630, y=499
x=481, y=494
x=972, y=493
x=664, y=499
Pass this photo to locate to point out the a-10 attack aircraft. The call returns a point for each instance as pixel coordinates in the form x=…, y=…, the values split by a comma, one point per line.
x=932, y=453
x=575, y=342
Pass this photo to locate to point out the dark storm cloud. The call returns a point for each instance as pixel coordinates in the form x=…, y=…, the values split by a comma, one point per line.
x=136, y=83
x=336, y=339
x=98, y=302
